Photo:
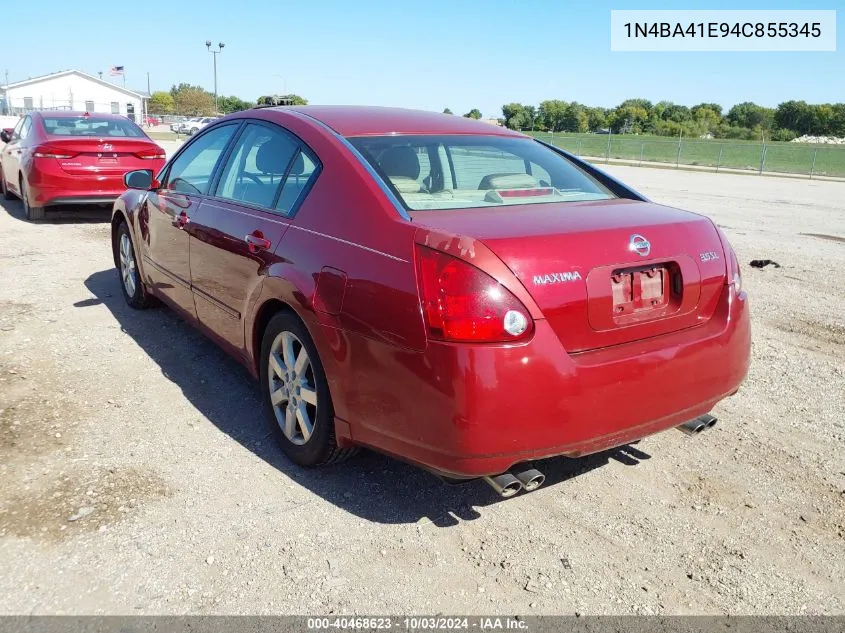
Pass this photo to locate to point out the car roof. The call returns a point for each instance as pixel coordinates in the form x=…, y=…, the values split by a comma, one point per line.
x=378, y=121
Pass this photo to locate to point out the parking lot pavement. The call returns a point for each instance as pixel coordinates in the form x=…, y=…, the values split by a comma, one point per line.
x=138, y=477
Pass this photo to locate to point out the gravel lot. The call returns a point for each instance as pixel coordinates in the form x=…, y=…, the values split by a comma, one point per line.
x=137, y=480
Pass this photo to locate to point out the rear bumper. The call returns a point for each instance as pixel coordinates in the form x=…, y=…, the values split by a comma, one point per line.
x=467, y=411
x=50, y=185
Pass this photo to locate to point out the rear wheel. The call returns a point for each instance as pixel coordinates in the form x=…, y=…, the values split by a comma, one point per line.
x=296, y=396
x=33, y=214
x=130, y=281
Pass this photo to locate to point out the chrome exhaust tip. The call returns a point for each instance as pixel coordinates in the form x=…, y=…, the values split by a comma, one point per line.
x=693, y=427
x=530, y=479
x=506, y=485
x=697, y=425
x=709, y=420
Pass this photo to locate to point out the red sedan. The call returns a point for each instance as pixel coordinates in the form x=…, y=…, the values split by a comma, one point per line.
x=54, y=158
x=439, y=289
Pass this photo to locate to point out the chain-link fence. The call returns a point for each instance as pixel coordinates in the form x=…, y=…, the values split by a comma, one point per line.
x=717, y=155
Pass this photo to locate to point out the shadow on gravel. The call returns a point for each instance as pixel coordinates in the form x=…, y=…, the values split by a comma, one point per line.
x=371, y=486
x=70, y=214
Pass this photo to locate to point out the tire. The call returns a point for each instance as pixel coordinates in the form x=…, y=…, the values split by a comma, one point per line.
x=133, y=289
x=287, y=381
x=33, y=214
x=7, y=195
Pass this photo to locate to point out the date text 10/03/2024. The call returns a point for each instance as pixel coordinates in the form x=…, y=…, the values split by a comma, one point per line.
x=418, y=623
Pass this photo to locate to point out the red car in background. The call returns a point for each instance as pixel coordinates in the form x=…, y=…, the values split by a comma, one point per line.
x=439, y=289
x=54, y=158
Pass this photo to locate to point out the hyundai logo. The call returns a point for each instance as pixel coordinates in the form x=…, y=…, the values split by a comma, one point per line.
x=639, y=245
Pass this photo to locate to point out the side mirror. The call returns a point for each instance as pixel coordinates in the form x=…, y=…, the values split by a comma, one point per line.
x=139, y=179
x=6, y=134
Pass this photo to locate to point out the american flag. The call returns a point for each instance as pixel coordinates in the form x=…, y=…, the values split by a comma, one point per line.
x=116, y=70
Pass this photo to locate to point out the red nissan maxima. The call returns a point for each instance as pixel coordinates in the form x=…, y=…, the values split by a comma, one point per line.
x=54, y=158
x=442, y=290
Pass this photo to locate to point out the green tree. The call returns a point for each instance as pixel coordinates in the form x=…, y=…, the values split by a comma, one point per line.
x=551, y=113
x=475, y=113
x=750, y=115
x=160, y=102
x=174, y=90
x=447, y=111
x=227, y=105
x=575, y=118
x=516, y=116
x=193, y=101
x=596, y=118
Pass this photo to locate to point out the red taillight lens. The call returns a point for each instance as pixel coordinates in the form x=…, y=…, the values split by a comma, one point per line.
x=151, y=154
x=462, y=303
x=734, y=274
x=48, y=151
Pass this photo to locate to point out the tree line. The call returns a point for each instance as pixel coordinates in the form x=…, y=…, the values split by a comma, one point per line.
x=747, y=120
x=189, y=100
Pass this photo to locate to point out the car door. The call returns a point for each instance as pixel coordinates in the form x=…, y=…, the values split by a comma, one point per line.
x=170, y=209
x=235, y=232
x=11, y=154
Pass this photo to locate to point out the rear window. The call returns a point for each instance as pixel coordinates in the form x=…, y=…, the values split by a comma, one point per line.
x=455, y=172
x=91, y=126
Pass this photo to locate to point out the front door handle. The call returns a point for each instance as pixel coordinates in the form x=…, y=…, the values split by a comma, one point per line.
x=257, y=242
x=182, y=219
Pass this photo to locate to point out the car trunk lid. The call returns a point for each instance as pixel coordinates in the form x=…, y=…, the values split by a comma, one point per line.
x=101, y=156
x=605, y=272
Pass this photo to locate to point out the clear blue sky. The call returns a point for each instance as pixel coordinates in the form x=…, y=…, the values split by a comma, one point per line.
x=430, y=55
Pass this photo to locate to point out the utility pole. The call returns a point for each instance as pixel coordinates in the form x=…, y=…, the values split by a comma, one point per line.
x=220, y=46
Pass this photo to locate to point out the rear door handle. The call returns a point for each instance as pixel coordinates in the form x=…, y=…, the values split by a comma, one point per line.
x=257, y=242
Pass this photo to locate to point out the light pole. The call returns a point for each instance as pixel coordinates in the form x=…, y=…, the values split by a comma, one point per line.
x=220, y=46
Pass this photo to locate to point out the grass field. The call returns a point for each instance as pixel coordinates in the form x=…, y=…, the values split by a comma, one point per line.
x=791, y=158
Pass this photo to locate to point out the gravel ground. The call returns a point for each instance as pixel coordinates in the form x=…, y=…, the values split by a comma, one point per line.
x=137, y=478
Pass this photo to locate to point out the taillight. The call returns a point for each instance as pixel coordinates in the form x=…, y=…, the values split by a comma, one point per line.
x=734, y=274
x=47, y=151
x=151, y=154
x=462, y=303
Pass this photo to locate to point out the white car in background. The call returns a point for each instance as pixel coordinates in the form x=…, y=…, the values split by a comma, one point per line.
x=192, y=126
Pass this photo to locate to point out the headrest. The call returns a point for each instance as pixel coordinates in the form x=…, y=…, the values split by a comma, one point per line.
x=508, y=181
x=273, y=156
x=400, y=161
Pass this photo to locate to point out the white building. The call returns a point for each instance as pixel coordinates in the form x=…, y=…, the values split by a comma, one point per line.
x=71, y=90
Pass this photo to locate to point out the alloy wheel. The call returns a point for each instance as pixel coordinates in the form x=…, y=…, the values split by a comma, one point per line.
x=128, y=272
x=293, y=390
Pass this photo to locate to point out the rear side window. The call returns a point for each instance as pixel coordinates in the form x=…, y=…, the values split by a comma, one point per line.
x=434, y=172
x=192, y=170
x=257, y=166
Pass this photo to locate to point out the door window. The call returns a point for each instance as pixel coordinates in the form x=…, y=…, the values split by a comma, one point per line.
x=25, y=127
x=257, y=166
x=192, y=170
x=302, y=173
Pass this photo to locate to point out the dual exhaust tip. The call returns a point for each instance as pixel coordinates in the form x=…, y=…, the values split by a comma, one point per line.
x=509, y=484
x=699, y=424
